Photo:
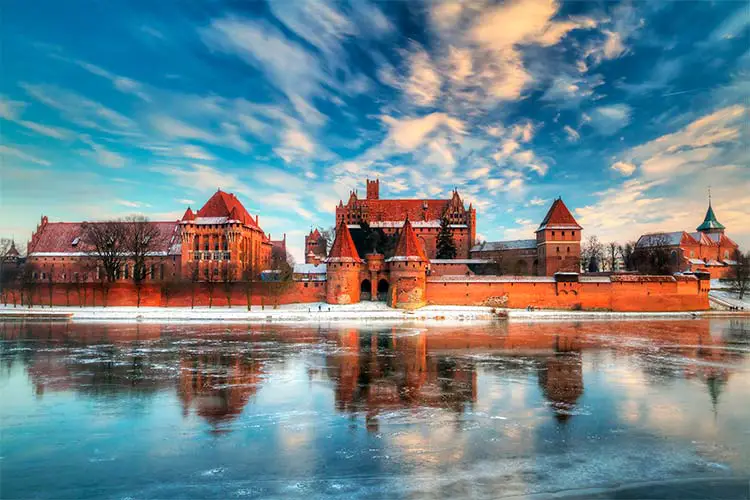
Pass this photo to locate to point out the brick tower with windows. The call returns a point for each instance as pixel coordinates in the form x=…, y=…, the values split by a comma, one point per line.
x=408, y=270
x=343, y=267
x=558, y=241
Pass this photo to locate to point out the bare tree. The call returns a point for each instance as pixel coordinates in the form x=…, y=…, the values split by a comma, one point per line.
x=5, y=246
x=328, y=235
x=249, y=283
x=29, y=282
x=739, y=278
x=228, y=278
x=141, y=239
x=283, y=265
x=169, y=286
x=105, y=242
x=9, y=282
x=592, y=254
x=612, y=253
x=194, y=273
x=654, y=254
x=210, y=280
x=626, y=252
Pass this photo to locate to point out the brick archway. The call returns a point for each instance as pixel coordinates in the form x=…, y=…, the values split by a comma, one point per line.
x=365, y=290
x=383, y=287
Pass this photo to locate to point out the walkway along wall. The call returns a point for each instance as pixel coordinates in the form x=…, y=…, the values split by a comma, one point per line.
x=568, y=291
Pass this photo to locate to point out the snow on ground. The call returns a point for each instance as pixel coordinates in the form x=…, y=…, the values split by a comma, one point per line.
x=318, y=312
x=725, y=296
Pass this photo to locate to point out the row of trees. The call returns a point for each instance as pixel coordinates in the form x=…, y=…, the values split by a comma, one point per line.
x=135, y=241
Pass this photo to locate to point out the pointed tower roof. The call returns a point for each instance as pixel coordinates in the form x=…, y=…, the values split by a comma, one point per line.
x=709, y=222
x=315, y=233
x=227, y=205
x=12, y=251
x=189, y=215
x=343, y=249
x=408, y=247
x=558, y=216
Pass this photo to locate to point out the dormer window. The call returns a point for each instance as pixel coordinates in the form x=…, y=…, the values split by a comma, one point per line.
x=75, y=241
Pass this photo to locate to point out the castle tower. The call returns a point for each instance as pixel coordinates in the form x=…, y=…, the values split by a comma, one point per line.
x=710, y=224
x=315, y=247
x=343, y=269
x=373, y=189
x=408, y=271
x=558, y=241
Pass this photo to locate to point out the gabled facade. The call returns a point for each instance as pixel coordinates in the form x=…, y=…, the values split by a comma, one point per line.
x=222, y=234
x=425, y=216
x=707, y=249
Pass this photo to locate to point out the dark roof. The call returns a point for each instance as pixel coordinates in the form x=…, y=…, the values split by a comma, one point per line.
x=59, y=237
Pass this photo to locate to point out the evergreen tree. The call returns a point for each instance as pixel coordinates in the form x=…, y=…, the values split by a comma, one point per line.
x=446, y=247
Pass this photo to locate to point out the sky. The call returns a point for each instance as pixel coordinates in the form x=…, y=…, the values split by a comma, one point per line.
x=628, y=111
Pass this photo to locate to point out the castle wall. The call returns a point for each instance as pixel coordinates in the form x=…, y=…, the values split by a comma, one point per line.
x=664, y=294
x=154, y=295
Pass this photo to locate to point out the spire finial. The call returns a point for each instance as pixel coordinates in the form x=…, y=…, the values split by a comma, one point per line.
x=709, y=196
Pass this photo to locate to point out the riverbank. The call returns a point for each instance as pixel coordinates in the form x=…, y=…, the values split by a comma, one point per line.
x=319, y=312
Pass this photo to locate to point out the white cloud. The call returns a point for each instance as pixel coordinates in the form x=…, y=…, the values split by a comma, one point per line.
x=12, y=110
x=409, y=133
x=624, y=168
x=573, y=135
x=609, y=119
x=10, y=151
x=196, y=153
x=102, y=155
x=423, y=84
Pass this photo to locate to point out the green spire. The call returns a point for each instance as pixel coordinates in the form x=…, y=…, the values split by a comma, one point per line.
x=710, y=223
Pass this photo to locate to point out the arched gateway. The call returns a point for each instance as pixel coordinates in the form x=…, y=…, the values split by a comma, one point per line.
x=365, y=290
x=383, y=287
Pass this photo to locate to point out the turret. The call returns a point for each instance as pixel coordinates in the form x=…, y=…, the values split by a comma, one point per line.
x=343, y=267
x=373, y=189
x=710, y=224
x=408, y=270
x=558, y=241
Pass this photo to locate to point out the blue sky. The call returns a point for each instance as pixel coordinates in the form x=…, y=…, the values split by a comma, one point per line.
x=629, y=111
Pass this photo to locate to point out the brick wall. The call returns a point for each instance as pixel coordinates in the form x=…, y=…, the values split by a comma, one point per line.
x=664, y=295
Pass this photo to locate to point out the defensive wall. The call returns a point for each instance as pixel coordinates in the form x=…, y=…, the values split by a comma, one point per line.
x=571, y=291
x=563, y=291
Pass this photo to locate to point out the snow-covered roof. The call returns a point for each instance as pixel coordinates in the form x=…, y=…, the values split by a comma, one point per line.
x=405, y=258
x=697, y=262
x=730, y=262
x=491, y=279
x=714, y=262
x=594, y=279
x=400, y=223
x=461, y=261
x=309, y=269
x=660, y=239
x=492, y=246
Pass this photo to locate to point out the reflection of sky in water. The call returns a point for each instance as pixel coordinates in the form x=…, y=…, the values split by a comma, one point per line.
x=477, y=410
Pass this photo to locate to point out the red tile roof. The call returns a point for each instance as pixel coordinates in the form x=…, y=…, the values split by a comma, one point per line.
x=189, y=214
x=343, y=248
x=408, y=244
x=559, y=215
x=223, y=204
x=58, y=238
x=378, y=210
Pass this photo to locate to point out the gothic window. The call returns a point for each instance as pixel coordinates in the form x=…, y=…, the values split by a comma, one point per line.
x=553, y=233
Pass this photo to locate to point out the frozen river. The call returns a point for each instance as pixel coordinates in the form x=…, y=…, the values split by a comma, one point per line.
x=626, y=409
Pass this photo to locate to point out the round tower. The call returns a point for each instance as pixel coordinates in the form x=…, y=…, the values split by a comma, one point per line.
x=408, y=271
x=343, y=268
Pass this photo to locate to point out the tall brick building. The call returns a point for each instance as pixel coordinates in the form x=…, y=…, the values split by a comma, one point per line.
x=557, y=247
x=221, y=233
x=425, y=216
x=707, y=249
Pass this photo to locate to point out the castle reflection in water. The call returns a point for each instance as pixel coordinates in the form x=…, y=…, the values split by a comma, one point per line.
x=217, y=370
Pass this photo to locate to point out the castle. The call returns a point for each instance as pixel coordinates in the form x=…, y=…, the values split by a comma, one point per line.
x=708, y=249
x=384, y=250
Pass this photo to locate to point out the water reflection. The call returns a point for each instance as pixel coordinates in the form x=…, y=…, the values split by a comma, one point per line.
x=386, y=411
x=217, y=370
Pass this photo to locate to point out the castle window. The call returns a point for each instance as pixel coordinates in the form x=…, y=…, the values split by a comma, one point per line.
x=553, y=233
x=573, y=233
x=558, y=249
x=563, y=234
x=44, y=275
